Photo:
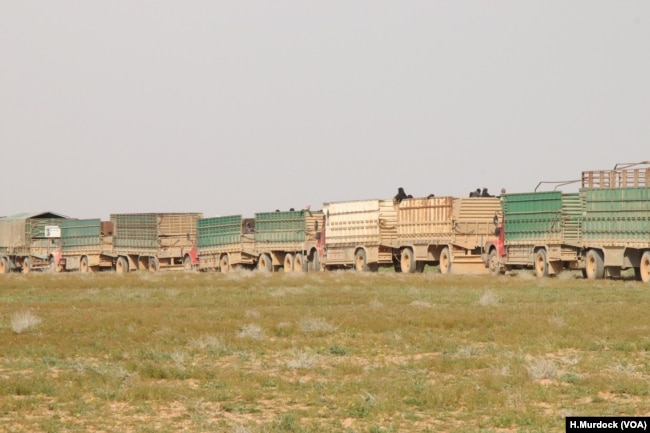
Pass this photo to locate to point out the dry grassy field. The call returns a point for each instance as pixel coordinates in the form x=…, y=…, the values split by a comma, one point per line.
x=329, y=352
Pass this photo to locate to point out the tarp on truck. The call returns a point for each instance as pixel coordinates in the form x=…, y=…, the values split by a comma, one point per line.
x=22, y=229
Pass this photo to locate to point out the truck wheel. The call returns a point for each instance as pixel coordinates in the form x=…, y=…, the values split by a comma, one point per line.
x=288, y=262
x=445, y=261
x=121, y=265
x=83, y=265
x=4, y=265
x=541, y=265
x=595, y=267
x=224, y=264
x=493, y=263
x=154, y=266
x=360, y=262
x=644, y=268
x=299, y=264
x=264, y=263
x=407, y=261
x=27, y=265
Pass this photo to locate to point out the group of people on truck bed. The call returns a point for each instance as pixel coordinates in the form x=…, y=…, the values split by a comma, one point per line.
x=401, y=195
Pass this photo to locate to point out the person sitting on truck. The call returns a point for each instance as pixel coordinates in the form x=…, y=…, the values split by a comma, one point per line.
x=476, y=193
x=485, y=193
x=401, y=195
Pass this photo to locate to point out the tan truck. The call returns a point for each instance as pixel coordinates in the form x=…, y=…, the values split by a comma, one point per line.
x=288, y=240
x=445, y=231
x=225, y=243
x=358, y=234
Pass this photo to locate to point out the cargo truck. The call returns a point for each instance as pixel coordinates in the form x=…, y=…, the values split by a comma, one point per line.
x=86, y=245
x=153, y=241
x=288, y=240
x=445, y=231
x=358, y=234
x=539, y=230
x=224, y=243
x=616, y=222
x=29, y=241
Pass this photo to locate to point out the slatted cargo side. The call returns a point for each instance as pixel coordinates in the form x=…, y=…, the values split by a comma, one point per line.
x=286, y=231
x=177, y=230
x=147, y=232
x=135, y=231
x=533, y=218
x=81, y=235
x=617, y=217
x=177, y=224
x=218, y=233
x=424, y=220
x=363, y=222
x=572, y=214
x=473, y=221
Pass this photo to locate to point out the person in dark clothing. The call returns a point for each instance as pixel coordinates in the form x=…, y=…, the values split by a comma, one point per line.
x=485, y=193
x=401, y=195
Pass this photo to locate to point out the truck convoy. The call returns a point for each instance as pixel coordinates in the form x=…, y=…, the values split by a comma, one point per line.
x=601, y=230
x=127, y=242
x=270, y=241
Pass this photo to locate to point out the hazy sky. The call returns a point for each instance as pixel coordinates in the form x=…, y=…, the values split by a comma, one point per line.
x=228, y=107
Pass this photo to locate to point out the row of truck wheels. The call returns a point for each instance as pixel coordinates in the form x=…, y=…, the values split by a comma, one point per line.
x=594, y=265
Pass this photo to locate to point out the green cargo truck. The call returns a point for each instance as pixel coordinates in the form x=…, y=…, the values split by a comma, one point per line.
x=29, y=241
x=152, y=241
x=225, y=243
x=288, y=240
x=616, y=222
x=539, y=230
x=86, y=246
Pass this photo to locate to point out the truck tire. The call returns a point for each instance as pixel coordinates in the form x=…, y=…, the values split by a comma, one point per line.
x=288, y=262
x=264, y=263
x=121, y=265
x=153, y=264
x=83, y=265
x=408, y=264
x=445, y=261
x=595, y=268
x=360, y=261
x=224, y=264
x=4, y=265
x=644, y=267
x=493, y=263
x=541, y=264
x=299, y=264
x=27, y=265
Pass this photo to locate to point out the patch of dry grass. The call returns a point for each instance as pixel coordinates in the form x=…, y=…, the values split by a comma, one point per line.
x=332, y=352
